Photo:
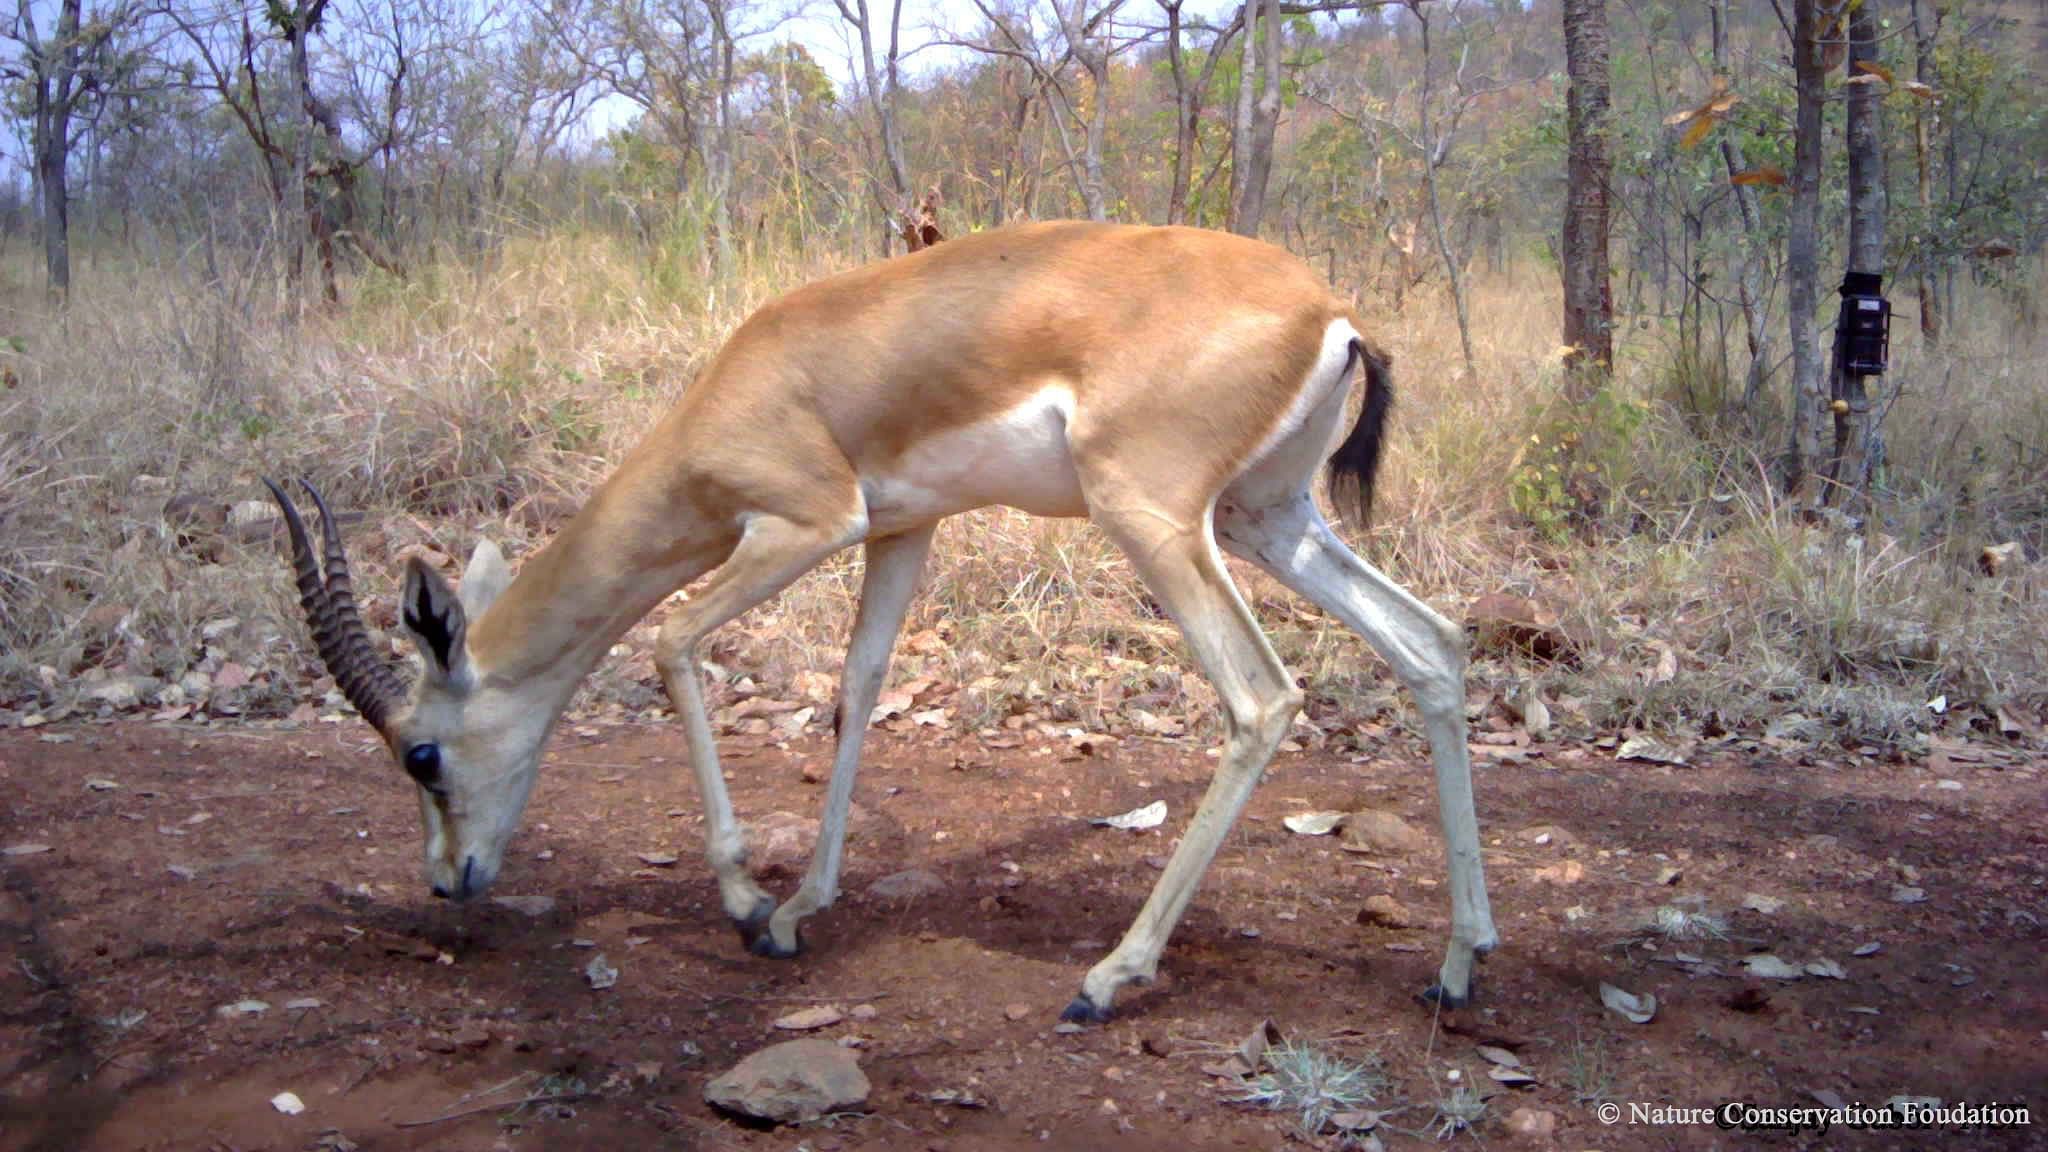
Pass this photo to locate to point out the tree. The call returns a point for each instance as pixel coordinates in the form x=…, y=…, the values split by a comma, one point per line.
x=882, y=89
x=1926, y=30
x=74, y=64
x=1187, y=102
x=1802, y=246
x=1849, y=468
x=1588, y=300
x=1749, y=286
x=1251, y=140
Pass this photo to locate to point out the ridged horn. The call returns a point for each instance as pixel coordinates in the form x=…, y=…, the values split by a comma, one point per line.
x=330, y=605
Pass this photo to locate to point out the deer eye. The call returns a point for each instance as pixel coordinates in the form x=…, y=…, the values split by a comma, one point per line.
x=423, y=763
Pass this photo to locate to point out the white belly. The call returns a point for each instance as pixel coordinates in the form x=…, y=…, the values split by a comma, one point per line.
x=1020, y=459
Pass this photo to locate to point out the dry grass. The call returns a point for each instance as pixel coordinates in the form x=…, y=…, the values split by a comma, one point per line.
x=477, y=396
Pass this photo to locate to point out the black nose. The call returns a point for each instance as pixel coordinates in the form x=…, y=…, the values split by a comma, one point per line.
x=440, y=891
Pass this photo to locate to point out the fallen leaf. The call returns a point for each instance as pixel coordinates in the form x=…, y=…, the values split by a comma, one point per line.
x=600, y=973
x=1638, y=1009
x=1908, y=894
x=1150, y=816
x=1314, y=823
x=1757, y=902
x=1252, y=1049
x=242, y=1008
x=100, y=784
x=1870, y=949
x=288, y=1103
x=1648, y=751
x=1499, y=1056
x=657, y=859
x=1769, y=967
x=24, y=849
x=1512, y=1077
x=1825, y=968
x=810, y=1019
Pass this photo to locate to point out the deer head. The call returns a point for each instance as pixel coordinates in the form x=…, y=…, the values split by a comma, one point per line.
x=470, y=743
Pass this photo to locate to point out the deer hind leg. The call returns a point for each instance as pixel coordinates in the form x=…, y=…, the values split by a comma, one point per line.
x=1177, y=559
x=1291, y=540
x=893, y=563
x=772, y=553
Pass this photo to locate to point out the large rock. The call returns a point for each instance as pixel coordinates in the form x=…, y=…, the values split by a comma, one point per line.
x=792, y=1082
x=1375, y=833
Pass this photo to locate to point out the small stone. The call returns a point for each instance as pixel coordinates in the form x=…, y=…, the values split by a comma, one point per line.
x=810, y=1019
x=535, y=906
x=813, y=772
x=1017, y=1011
x=242, y=1008
x=864, y=1012
x=792, y=1083
x=908, y=884
x=1531, y=1123
x=600, y=973
x=1067, y=1028
x=1383, y=911
x=288, y=1103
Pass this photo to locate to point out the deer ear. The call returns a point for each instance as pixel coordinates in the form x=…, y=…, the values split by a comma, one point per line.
x=486, y=577
x=433, y=614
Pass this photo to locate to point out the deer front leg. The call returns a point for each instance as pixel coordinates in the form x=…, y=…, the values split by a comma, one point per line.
x=771, y=554
x=893, y=563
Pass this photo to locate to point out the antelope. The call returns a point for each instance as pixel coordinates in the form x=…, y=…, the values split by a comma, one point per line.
x=1179, y=388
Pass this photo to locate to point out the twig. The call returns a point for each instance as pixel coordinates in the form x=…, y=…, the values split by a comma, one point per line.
x=537, y=1098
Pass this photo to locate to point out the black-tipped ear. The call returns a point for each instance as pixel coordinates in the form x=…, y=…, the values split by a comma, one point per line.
x=434, y=616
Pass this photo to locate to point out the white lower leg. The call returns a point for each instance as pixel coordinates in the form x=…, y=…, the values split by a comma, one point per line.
x=1136, y=957
x=725, y=845
x=892, y=567
x=1292, y=542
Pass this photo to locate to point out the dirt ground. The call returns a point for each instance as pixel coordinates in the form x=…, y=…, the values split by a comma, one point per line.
x=282, y=865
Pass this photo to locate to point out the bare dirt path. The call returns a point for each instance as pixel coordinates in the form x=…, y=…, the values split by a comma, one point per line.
x=281, y=866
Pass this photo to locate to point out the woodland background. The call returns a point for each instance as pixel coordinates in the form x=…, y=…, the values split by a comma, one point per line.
x=450, y=259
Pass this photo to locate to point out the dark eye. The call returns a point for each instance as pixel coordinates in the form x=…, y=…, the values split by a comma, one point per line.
x=423, y=763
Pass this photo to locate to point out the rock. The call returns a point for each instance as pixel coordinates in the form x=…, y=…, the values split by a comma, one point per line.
x=1381, y=834
x=780, y=841
x=122, y=693
x=1532, y=1123
x=535, y=906
x=908, y=884
x=1501, y=622
x=864, y=1012
x=1384, y=911
x=792, y=1082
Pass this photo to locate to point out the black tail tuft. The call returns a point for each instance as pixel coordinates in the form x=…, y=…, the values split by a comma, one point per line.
x=1356, y=462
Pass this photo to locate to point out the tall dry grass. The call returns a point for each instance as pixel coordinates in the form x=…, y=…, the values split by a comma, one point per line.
x=485, y=396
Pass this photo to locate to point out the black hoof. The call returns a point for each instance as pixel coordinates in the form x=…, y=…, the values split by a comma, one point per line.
x=1435, y=994
x=1082, y=1010
x=754, y=926
x=764, y=945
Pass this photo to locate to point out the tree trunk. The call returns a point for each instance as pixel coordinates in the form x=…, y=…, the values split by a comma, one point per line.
x=1241, y=123
x=1926, y=114
x=1849, y=469
x=1809, y=395
x=723, y=142
x=1184, y=123
x=1749, y=279
x=1588, y=298
x=1263, y=123
x=52, y=160
x=1433, y=152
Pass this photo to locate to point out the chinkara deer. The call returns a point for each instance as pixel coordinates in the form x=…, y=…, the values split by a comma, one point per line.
x=1177, y=387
